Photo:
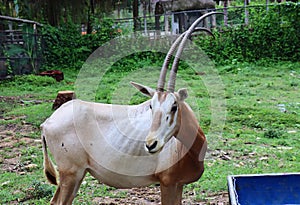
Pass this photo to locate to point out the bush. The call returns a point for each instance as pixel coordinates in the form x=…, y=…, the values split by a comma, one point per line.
x=273, y=133
x=66, y=47
x=272, y=34
x=38, y=190
x=29, y=81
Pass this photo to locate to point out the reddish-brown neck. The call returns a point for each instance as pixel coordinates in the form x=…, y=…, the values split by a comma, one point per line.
x=190, y=134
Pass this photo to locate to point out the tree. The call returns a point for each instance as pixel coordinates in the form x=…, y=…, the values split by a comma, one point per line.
x=91, y=12
x=55, y=12
x=135, y=6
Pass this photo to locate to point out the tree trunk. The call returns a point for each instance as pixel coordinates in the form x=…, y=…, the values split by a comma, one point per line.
x=91, y=12
x=135, y=15
x=63, y=97
x=225, y=12
x=246, y=4
x=53, y=12
x=158, y=12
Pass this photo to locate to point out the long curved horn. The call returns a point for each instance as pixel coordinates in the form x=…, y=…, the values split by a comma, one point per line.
x=163, y=72
x=197, y=29
x=173, y=72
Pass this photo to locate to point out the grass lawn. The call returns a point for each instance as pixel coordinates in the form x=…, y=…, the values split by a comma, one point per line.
x=261, y=132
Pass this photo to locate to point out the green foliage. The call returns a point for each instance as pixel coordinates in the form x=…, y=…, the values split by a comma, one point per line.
x=272, y=34
x=30, y=80
x=122, y=68
x=273, y=133
x=16, y=188
x=66, y=47
x=138, y=60
x=38, y=190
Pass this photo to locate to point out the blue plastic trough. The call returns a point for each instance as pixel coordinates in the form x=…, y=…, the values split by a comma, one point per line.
x=264, y=189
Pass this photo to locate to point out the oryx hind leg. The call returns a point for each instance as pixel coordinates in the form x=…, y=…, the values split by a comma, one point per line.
x=69, y=183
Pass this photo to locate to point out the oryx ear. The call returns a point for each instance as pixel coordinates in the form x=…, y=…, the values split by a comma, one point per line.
x=144, y=89
x=183, y=94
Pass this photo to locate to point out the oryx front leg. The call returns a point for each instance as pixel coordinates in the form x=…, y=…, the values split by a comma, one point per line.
x=171, y=195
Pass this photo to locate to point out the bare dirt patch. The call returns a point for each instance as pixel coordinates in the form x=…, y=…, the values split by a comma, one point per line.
x=13, y=139
x=151, y=196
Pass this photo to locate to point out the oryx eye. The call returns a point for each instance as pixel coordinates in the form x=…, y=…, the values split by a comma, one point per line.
x=150, y=106
x=174, y=108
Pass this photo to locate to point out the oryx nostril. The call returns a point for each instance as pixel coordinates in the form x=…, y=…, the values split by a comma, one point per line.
x=152, y=146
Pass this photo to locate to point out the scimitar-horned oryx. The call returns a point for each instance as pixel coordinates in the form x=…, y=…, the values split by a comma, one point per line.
x=158, y=141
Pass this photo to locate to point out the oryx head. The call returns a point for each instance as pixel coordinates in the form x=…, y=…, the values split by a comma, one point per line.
x=166, y=116
x=166, y=105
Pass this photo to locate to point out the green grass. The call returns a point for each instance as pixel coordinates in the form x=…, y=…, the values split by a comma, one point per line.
x=261, y=132
x=258, y=136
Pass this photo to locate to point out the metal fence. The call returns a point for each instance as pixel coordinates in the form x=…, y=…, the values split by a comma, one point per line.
x=177, y=22
x=20, y=47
